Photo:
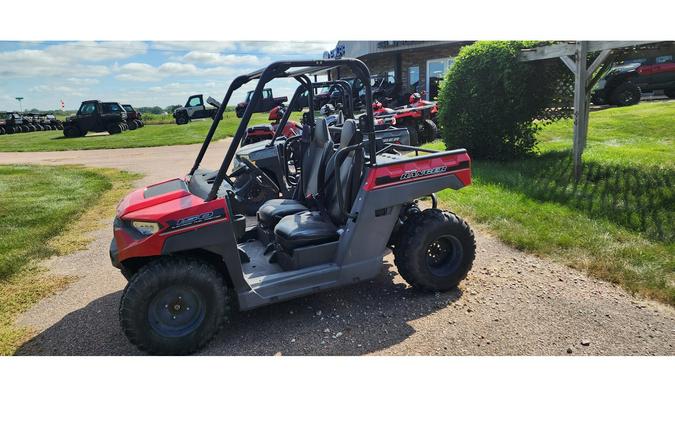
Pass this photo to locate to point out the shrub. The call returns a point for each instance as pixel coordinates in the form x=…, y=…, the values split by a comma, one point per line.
x=493, y=105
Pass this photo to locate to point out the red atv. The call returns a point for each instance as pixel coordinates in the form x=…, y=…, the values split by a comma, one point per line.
x=259, y=133
x=419, y=117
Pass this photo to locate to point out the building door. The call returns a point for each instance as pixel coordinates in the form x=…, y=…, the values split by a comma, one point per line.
x=436, y=69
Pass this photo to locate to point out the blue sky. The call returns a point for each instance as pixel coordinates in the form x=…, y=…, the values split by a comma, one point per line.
x=143, y=73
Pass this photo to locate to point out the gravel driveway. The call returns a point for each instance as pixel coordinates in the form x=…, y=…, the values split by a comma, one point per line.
x=512, y=303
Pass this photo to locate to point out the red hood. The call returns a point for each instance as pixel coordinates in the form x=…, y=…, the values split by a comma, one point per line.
x=138, y=199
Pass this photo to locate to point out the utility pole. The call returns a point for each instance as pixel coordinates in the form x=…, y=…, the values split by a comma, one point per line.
x=19, y=100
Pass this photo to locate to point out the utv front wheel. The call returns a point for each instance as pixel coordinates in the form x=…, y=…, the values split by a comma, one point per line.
x=173, y=306
x=626, y=94
x=435, y=250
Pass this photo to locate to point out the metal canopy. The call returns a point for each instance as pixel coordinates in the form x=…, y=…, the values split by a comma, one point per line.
x=573, y=55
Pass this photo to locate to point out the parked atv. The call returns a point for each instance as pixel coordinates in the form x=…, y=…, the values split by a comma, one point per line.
x=189, y=259
x=195, y=109
x=419, y=117
x=268, y=102
x=96, y=116
x=134, y=118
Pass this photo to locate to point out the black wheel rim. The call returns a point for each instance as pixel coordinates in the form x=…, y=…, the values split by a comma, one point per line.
x=176, y=311
x=444, y=255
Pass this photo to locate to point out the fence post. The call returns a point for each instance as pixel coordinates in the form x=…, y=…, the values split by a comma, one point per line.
x=581, y=105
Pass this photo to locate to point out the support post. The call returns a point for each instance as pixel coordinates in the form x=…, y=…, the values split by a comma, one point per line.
x=581, y=104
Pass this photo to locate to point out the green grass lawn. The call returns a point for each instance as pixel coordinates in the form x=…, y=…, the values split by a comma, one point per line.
x=616, y=223
x=149, y=135
x=45, y=210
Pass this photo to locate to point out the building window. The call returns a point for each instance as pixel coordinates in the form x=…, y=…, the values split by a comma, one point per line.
x=436, y=70
x=414, y=77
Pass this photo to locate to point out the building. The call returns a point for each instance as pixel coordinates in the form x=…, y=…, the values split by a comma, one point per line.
x=414, y=66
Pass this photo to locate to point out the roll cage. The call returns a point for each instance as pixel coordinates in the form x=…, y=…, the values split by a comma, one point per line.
x=297, y=69
x=307, y=86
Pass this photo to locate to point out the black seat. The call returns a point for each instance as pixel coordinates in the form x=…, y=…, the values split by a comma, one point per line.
x=305, y=229
x=317, y=227
x=313, y=165
x=272, y=211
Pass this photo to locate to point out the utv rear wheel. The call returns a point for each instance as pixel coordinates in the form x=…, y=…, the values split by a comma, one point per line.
x=114, y=129
x=626, y=94
x=173, y=306
x=435, y=250
x=430, y=131
x=132, y=125
x=71, y=132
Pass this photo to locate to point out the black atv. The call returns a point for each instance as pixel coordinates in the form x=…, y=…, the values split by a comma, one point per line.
x=96, y=116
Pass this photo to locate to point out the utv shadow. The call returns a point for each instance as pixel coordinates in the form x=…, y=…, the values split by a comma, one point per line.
x=371, y=316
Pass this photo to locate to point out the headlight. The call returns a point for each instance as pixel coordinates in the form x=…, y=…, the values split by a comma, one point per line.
x=146, y=228
x=601, y=83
